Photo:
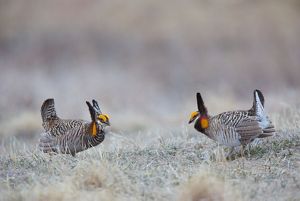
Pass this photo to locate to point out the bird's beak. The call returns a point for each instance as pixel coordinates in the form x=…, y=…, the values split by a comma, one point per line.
x=191, y=120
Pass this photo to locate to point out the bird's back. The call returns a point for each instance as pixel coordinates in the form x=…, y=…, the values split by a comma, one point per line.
x=58, y=127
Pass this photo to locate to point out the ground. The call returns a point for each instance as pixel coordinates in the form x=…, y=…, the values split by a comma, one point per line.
x=163, y=164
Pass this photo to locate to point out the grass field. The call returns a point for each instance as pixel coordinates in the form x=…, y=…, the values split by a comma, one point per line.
x=144, y=61
x=171, y=164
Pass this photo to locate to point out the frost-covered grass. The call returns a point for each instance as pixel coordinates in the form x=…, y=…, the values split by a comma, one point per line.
x=160, y=165
x=144, y=61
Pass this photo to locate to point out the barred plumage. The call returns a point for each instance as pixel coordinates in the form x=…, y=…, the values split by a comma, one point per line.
x=234, y=128
x=259, y=111
x=71, y=136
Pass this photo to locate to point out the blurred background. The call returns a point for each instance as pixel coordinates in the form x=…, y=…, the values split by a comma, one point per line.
x=144, y=60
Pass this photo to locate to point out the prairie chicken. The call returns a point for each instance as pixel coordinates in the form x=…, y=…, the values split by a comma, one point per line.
x=71, y=136
x=234, y=128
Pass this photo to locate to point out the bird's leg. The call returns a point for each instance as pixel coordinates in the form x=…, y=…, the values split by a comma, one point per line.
x=229, y=155
x=249, y=146
x=243, y=151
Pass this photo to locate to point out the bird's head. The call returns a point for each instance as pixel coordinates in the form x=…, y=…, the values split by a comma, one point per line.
x=201, y=115
x=101, y=118
x=104, y=119
x=194, y=116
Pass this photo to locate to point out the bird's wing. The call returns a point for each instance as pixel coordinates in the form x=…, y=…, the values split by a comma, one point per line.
x=48, y=143
x=248, y=129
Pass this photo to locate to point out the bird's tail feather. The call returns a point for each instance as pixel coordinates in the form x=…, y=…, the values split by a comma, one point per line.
x=48, y=110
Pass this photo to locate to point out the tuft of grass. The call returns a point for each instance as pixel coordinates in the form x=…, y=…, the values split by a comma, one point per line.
x=207, y=186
